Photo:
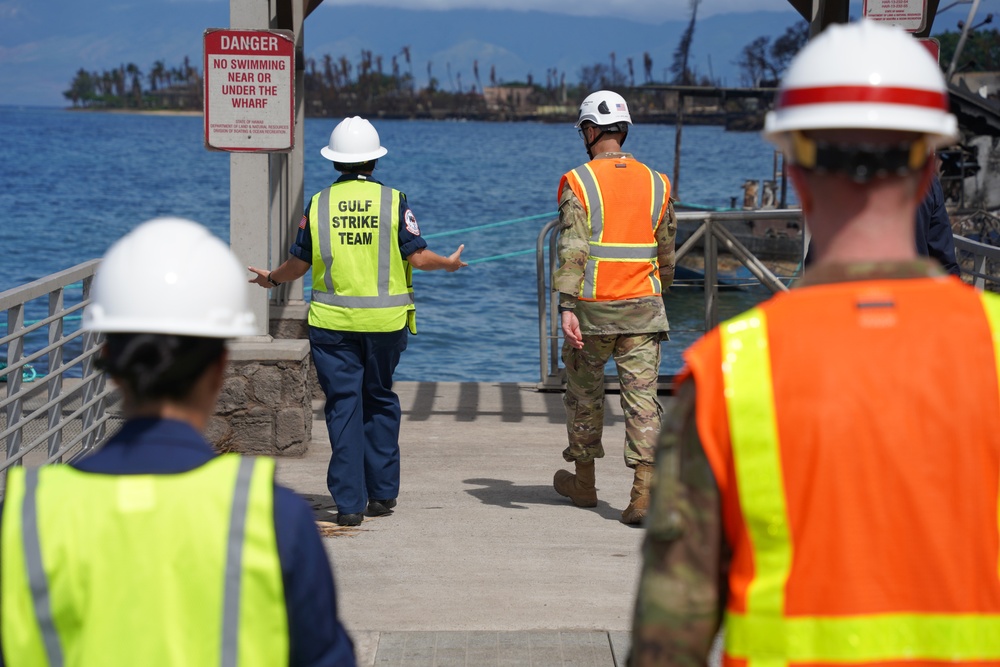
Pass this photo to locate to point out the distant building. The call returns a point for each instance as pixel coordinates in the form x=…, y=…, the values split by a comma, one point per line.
x=186, y=96
x=511, y=98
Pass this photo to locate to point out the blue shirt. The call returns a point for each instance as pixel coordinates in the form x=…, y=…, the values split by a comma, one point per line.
x=935, y=238
x=409, y=241
x=163, y=446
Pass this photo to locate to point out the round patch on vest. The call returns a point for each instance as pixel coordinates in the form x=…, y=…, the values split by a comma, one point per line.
x=411, y=223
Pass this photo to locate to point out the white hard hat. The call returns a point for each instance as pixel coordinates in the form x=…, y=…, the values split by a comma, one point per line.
x=605, y=107
x=170, y=276
x=863, y=75
x=354, y=140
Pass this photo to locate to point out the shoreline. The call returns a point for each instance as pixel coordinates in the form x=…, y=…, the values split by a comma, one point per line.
x=140, y=112
x=714, y=119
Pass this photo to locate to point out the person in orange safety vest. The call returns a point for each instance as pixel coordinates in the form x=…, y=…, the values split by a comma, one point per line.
x=827, y=481
x=616, y=254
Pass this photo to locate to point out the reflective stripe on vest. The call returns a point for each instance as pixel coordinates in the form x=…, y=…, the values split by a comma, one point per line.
x=641, y=254
x=763, y=635
x=234, y=564
x=249, y=621
x=385, y=232
x=37, y=580
x=387, y=294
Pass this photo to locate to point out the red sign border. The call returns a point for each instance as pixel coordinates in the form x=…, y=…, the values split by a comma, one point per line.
x=285, y=35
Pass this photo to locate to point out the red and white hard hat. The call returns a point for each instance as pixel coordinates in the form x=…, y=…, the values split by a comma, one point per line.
x=863, y=75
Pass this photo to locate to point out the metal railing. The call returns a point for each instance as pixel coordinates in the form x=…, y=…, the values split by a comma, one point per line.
x=711, y=232
x=979, y=262
x=61, y=412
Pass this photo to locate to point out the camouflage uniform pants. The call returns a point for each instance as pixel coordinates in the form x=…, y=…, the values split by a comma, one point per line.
x=637, y=358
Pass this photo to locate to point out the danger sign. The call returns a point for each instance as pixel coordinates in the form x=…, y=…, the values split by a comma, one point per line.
x=249, y=90
x=910, y=15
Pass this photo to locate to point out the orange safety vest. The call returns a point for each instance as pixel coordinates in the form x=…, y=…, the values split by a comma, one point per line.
x=625, y=202
x=854, y=433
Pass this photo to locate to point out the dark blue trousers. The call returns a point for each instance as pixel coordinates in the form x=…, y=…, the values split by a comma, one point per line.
x=362, y=413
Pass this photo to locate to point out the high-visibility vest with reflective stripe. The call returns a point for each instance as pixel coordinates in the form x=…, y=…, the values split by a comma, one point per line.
x=154, y=570
x=360, y=280
x=854, y=433
x=625, y=202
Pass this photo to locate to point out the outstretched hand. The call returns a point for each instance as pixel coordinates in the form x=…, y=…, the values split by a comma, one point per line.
x=455, y=260
x=260, y=277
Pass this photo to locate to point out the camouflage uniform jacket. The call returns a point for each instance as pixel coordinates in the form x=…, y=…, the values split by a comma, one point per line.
x=640, y=315
x=684, y=579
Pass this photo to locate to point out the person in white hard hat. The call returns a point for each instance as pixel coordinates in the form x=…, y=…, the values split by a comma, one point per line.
x=362, y=241
x=616, y=256
x=827, y=483
x=153, y=550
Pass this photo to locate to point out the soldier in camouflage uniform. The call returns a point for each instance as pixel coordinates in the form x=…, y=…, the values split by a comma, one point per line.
x=627, y=329
x=860, y=183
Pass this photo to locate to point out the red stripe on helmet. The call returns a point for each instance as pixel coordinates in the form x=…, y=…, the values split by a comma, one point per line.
x=913, y=97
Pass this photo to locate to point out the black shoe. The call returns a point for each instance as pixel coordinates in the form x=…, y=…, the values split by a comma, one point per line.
x=350, y=519
x=380, y=507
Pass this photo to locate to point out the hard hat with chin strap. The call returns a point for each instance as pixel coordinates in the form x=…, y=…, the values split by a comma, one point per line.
x=862, y=76
x=608, y=111
x=353, y=141
x=170, y=276
x=604, y=108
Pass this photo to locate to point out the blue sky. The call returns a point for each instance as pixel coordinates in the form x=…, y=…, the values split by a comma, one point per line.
x=44, y=42
x=643, y=10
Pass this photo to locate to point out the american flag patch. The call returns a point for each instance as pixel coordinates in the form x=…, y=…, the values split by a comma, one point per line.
x=302, y=222
x=619, y=106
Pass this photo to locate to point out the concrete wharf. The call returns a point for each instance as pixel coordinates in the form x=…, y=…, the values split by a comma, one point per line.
x=483, y=563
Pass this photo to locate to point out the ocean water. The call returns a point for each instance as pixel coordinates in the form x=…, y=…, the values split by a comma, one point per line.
x=71, y=183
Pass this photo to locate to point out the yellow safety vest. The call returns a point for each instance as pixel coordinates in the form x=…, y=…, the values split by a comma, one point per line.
x=360, y=280
x=152, y=570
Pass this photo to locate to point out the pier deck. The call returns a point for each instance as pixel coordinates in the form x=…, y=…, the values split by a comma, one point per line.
x=482, y=563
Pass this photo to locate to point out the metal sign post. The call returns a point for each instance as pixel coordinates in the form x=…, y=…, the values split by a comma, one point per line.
x=249, y=90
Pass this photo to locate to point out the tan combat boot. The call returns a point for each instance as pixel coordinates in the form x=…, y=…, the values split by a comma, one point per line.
x=639, y=507
x=579, y=487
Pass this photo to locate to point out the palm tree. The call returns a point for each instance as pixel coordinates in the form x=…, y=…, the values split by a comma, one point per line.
x=157, y=74
x=135, y=75
x=81, y=89
x=409, y=65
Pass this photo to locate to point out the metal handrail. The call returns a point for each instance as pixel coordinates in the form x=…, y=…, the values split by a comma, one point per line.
x=65, y=414
x=547, y=313
x=981, y=254
x=710, y=233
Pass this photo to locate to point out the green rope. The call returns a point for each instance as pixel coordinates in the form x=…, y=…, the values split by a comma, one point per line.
x=491, y=225
x=492, y=258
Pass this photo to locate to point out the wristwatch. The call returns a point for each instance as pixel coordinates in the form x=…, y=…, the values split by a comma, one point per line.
x=272, y=280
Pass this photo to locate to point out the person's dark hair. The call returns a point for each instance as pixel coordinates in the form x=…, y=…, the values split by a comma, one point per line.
x=158, y=366
x=355, y=167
